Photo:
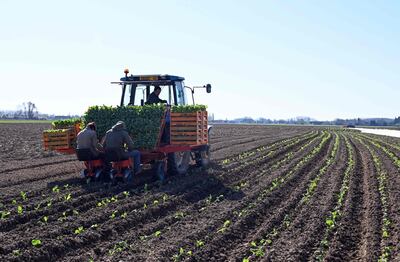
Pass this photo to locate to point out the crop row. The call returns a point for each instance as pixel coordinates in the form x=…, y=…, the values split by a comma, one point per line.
x=270, y=148
x=333, y=218
x=238, y=216
x=382, y=178
x=377, y=143
x=202, y=206
x=120, y=216
x=258, y=247
x=272, y=151
x=99, y=203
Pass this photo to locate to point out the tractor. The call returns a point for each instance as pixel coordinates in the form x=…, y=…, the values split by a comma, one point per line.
x=183, y=137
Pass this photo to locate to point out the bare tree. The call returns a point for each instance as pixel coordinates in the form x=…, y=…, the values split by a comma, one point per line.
x=30, y=110
x=17, y=114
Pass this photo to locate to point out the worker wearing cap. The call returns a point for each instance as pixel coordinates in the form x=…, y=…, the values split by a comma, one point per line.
x=87, y=139
x=154, y=97
x=116, y=138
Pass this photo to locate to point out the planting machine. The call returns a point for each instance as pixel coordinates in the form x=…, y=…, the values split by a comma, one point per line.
x=182, y=139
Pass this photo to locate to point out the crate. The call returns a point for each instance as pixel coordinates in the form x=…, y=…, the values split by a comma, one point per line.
x=189, y=128
x=60, y=139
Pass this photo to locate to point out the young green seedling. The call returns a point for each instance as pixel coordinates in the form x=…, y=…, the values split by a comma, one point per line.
x=199, y=243
x=67, y=197
x=16, y=253
x=36, y=242
x=114, y=214
x=56, y=189
x=20, y=210
x=23, y=195
x=165, y=198
x=179, y=215
x=64, y=216
x=37, y=207
x=5, y=214
x=227, y=223
x=114, y=199
x=79, y=230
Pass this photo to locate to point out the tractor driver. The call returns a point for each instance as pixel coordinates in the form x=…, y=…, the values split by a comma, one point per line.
x=154, y=97
x=116, y=138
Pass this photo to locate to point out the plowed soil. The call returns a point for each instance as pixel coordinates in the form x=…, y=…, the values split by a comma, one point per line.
x=272, y=193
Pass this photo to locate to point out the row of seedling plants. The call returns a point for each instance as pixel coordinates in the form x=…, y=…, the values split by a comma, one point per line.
x=380, y=140
x=392, y=155
x=276, y=183
x=258, y=248
x=125, y=245
x=382, y=177
x=281, y=145
x=114, y=214
x=280, y=180
x=185, y=252
x=250, y=153
x=19, y=206
x=100, y=204
x=314, y=182
x=290, y=155
x=332, y=220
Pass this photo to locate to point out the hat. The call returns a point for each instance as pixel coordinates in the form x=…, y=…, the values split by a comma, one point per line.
x=91, y=125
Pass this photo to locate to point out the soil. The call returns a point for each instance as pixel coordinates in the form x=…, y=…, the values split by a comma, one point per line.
x=247, y=205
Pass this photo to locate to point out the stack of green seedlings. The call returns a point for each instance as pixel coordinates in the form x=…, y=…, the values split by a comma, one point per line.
x=143, y=123
x=65, y=123
x=188, y=108
x=61, y=125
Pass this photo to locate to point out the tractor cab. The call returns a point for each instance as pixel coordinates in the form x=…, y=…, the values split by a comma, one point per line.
x=136, y=89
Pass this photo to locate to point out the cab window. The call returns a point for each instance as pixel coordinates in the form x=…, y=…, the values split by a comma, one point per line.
x=180, y=93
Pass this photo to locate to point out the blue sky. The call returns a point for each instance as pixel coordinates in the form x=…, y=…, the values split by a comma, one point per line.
x=273, y=59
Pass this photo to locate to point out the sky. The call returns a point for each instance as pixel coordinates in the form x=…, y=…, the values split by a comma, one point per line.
x=272, y=59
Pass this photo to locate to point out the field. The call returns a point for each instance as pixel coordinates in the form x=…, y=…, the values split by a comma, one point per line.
x=275, y=193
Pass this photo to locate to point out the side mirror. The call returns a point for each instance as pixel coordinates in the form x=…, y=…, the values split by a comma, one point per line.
x=208, y=88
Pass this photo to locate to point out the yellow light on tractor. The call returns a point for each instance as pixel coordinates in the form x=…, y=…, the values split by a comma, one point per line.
x=149, y=78
x=126, y=72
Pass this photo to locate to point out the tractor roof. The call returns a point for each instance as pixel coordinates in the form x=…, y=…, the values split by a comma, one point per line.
x=151, y=79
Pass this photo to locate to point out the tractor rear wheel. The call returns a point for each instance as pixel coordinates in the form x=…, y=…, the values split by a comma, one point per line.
x=178, y=163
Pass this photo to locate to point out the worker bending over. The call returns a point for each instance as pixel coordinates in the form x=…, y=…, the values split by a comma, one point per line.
x=87, y=139
x=116, y=138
